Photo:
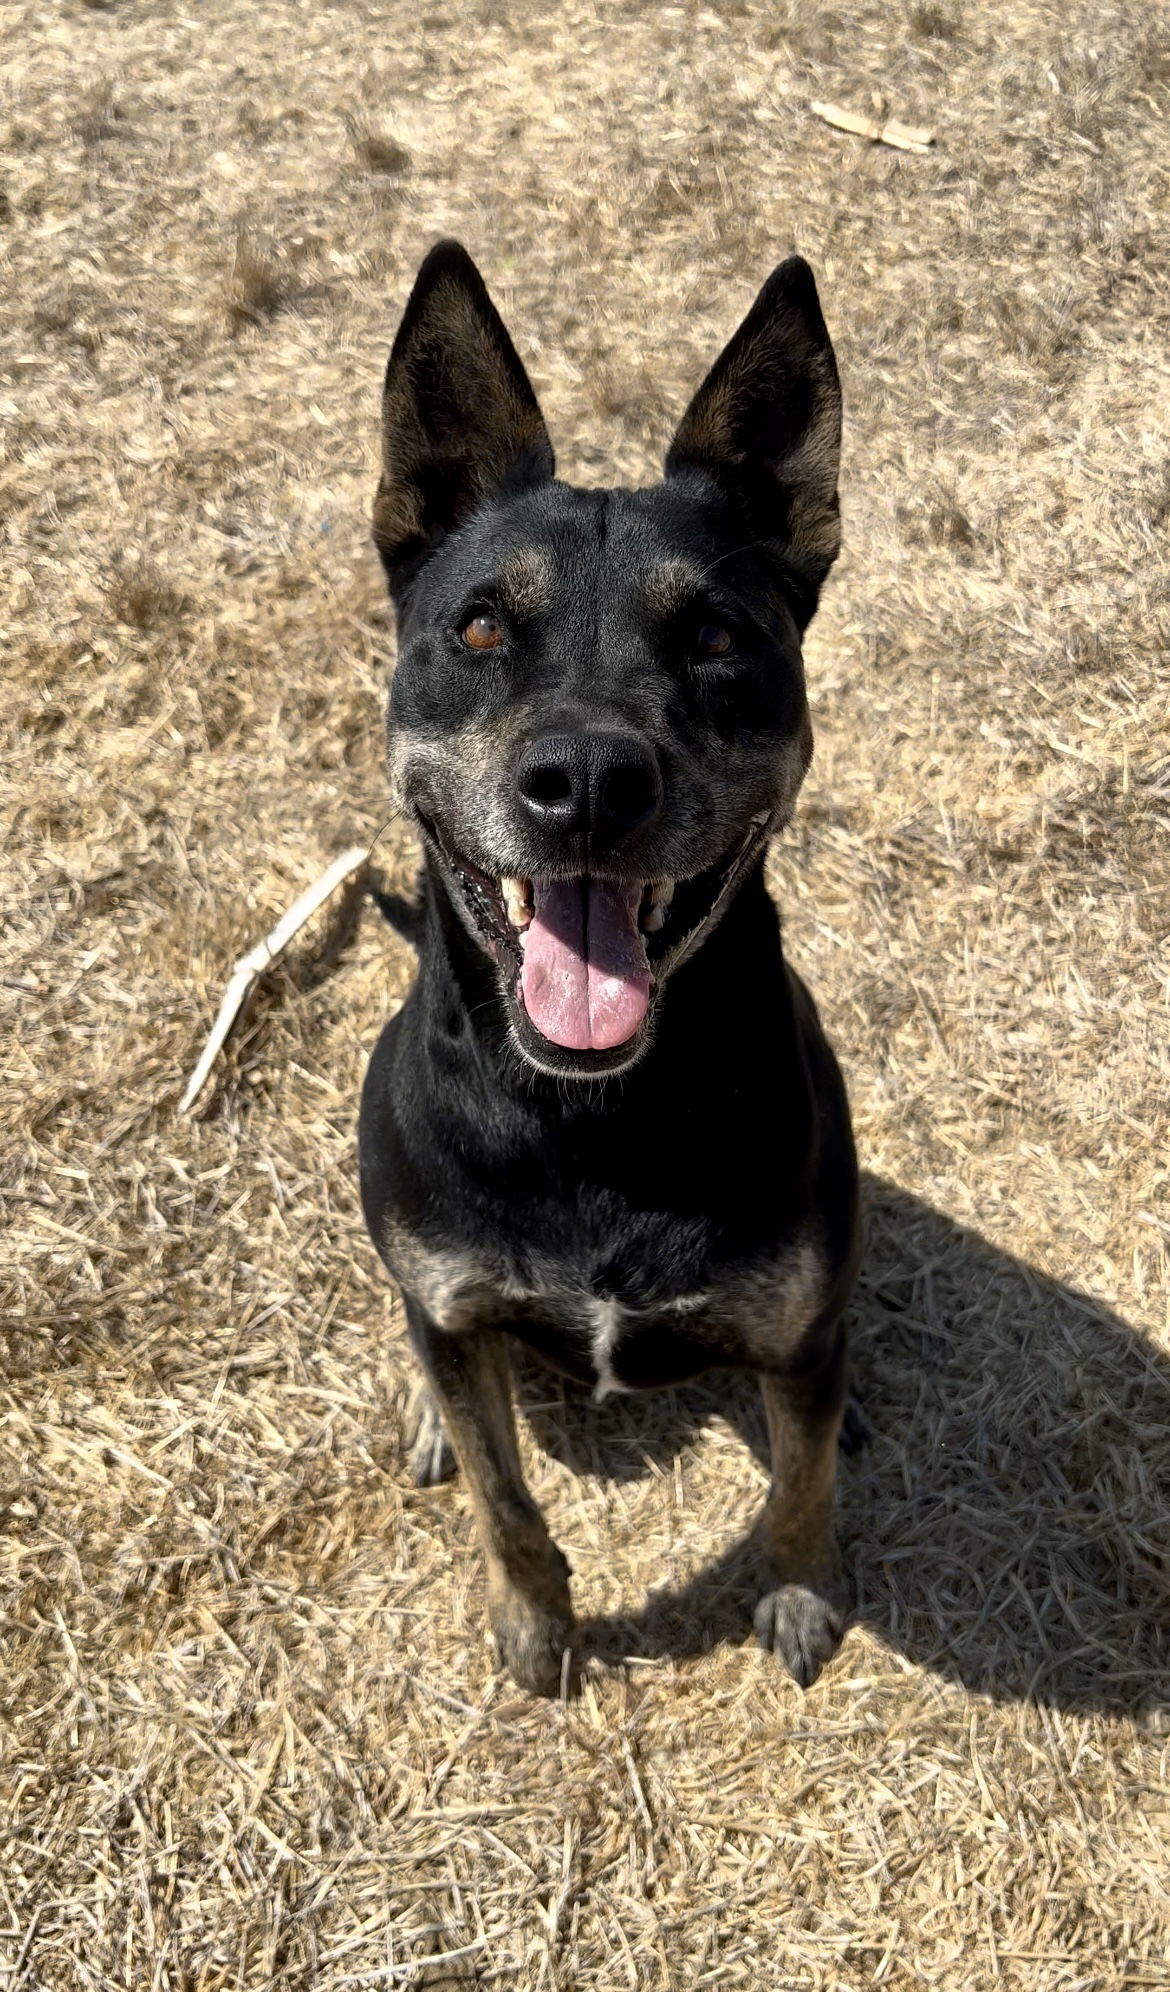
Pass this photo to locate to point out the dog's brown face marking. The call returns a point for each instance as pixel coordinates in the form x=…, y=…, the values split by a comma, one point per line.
x=670, y=585
x=527, y=581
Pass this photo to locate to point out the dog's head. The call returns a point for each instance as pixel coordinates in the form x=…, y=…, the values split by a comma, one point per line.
x=598, y=714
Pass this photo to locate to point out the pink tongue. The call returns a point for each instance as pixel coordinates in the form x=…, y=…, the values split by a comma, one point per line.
x=585, y=979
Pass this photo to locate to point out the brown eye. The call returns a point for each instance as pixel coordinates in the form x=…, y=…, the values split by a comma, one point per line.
x=713, y=640
x=484, y=632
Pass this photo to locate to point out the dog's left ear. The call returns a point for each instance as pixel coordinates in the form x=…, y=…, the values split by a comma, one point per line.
x=459, y=417
x=766, y=426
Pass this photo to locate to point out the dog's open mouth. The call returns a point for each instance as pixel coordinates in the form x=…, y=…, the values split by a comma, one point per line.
x=587, y=953
x=585, y=973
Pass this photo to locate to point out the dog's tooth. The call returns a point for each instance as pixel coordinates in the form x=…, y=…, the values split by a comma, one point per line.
x=661, y=892
x=517, y=897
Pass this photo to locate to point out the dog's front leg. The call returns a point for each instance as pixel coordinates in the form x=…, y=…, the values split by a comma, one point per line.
x=528, y=1578
x=804, y=1617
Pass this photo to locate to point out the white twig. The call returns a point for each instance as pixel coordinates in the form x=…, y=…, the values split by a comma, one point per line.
x=259, y=959
x=881, y=131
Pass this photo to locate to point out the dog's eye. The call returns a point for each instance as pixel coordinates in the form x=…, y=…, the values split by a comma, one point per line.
x=712, y=640
x=484, y=632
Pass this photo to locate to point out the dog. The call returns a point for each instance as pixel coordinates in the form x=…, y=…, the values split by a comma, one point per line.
x=606, y=1122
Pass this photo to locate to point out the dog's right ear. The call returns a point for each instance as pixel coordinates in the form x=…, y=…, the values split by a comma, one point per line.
x=459, y=418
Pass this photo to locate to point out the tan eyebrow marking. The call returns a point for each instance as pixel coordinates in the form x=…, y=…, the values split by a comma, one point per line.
x=671, y=585
x=526, y=581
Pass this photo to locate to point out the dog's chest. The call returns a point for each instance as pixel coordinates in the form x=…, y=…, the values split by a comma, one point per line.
x=606, y=1339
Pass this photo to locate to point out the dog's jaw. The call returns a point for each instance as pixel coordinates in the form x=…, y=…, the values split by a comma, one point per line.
x=674, y=917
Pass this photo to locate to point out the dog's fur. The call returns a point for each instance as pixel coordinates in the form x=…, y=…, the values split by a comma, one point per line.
x=687, y=1198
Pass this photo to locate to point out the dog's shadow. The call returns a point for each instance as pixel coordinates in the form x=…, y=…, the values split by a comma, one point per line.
x=1008, y=1522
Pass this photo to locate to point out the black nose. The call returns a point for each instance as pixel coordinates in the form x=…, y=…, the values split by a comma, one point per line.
x=599, y=786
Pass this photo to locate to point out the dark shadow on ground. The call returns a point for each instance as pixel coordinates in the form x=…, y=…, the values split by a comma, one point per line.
x=1008, y=1524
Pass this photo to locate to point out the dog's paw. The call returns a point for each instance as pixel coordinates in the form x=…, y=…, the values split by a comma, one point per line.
x=533, y=1623
x=533, y=1645
x=430, y=1458
x=804, y=1627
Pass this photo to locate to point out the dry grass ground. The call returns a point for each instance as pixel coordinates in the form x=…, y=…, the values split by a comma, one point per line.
x=252, y=1737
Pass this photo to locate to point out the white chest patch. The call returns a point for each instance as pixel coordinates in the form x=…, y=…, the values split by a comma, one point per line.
x=606, y=1322
x=607, y=1319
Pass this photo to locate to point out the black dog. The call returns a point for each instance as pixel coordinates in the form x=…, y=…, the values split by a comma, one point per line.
x=606, y=1120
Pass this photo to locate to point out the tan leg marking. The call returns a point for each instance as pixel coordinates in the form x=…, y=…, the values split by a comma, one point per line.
x=527, y=1576
x=803, y=1618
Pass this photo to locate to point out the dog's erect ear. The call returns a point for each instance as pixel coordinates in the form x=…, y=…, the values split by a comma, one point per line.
x=766, y=425
x=459, y=418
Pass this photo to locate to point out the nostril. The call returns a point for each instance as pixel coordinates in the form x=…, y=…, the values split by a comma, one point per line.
x=629, y=795
x=552, y=780
x=546, y=786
